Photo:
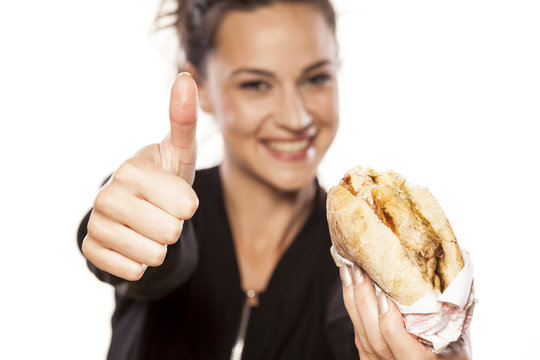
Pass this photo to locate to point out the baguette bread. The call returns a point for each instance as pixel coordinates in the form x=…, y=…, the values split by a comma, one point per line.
x=395, y=231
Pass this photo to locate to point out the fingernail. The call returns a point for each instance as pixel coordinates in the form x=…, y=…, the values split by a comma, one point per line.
x=144, y=267
x=185, y=73
x=345, y=275
x=357, y=275
x=382, y=303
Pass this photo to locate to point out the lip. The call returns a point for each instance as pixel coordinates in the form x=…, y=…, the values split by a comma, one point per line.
x=289, y=149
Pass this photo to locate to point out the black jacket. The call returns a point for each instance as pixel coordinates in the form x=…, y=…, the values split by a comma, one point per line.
x=190, y=307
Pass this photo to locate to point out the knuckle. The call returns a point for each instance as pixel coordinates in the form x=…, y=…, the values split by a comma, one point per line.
x=86, y=247
x=134, y=273
x=358, y=342
x=90, y=251
x=158, y=256
x=94, y=226
x=103, y=200
x=91, y=227
x=98, y=230
x=174, y=231
x=364, y=344
x=387, y=330
x=380, y=348
x=129, y=171
x=192, y=204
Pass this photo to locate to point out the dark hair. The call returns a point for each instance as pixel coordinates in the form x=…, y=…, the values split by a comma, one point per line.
x=196, y=22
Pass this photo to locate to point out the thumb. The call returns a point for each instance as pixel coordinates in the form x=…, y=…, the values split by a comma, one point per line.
x=178, y=151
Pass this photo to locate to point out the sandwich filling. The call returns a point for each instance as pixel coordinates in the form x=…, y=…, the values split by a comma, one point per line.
x=387, y=195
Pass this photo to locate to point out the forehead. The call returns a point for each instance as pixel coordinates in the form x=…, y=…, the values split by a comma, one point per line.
x=278, y=37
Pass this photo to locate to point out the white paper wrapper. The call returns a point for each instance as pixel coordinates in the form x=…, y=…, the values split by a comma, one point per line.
x=437, y=320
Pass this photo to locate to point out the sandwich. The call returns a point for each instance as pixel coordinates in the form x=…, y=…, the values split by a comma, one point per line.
x=395, y=231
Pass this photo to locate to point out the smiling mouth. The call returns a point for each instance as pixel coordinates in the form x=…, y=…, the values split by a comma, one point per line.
x=289, y=146
x=289, y=149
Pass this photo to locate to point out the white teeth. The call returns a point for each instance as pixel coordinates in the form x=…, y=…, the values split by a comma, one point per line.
x=288, y=146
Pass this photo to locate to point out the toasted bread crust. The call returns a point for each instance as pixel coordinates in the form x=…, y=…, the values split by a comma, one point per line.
x=360, y=236
x=395, y=231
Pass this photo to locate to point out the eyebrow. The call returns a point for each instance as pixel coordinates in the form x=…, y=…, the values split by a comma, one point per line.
x=271, y=74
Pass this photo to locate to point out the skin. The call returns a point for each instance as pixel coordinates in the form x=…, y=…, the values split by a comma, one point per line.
x=258, y=95
x=266, y=89
x=378, y=324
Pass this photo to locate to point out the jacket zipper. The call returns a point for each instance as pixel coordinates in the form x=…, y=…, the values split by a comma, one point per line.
x=238, y=348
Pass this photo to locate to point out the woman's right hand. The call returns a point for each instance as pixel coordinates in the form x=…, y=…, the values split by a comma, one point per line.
x=142, y=207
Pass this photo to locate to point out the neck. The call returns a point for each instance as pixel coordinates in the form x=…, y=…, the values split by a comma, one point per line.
x=261, y=215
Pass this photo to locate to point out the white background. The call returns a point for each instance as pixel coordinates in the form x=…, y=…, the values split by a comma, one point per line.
x=446, y=93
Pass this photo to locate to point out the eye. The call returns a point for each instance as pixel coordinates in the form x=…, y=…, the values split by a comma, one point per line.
x=318, y=79
x=255, y=85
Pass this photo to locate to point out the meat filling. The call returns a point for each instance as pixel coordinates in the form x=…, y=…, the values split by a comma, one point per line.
x=419, y=242
x=384, y=193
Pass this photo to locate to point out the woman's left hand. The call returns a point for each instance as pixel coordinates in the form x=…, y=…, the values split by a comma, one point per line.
x=378, y=325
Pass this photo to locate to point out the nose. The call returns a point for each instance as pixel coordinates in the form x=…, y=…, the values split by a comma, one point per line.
x=292, y=114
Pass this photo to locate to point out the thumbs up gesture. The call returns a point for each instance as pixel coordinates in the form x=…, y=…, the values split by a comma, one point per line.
x=142, y=208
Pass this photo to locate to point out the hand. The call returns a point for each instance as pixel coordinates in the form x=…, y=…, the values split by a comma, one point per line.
x=378, y=324
x=142, y=207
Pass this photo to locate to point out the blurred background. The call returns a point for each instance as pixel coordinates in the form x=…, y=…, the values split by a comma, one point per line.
x=447, y=93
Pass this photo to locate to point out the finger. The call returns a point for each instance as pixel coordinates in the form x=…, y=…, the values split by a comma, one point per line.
x=366, y=305
x=392, y=328
x=358, y=342
x=348, y=296
x=183, y=111
x=111, y=261
x=348, y=299
x=154, y=185
x=144, y=218
x=125, y=241
x=179, y=149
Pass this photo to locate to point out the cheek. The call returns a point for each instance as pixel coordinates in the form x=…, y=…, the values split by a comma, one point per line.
x=239, y=118
x=331, y=103
x=325, y=106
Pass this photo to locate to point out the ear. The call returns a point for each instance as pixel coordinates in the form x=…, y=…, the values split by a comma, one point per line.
x=204, y=100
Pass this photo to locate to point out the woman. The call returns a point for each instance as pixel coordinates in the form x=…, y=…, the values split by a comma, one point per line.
x=248, y=274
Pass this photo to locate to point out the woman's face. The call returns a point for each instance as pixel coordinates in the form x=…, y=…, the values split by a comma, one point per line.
x=271, y=85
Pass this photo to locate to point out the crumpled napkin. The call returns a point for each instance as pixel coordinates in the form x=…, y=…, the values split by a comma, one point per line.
x=437, y=320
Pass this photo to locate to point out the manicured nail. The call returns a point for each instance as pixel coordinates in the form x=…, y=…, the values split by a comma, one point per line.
x=345, y=275
x=357, y=275
x=144, y=267
x=382, y=303
x=185, y=73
